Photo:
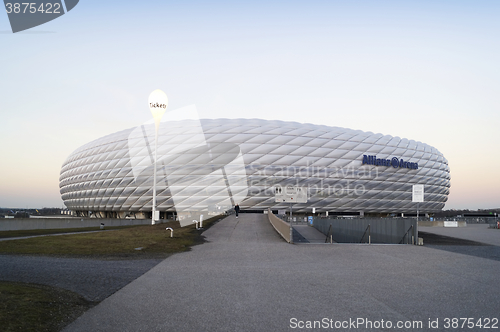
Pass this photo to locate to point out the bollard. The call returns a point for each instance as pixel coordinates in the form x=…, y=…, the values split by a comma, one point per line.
x=201, y=221
x=171, y=231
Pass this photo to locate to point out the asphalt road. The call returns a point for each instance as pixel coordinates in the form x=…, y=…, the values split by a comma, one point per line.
x=246, y=278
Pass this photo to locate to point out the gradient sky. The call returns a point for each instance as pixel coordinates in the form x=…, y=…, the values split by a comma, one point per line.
x=423, y=70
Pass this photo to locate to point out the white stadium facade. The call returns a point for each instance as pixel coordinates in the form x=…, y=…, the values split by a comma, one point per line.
x=212, y=164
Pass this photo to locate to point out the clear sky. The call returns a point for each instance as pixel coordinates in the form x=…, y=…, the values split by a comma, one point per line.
x=423, y=70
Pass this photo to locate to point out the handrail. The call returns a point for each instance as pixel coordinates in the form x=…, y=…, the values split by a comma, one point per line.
x=368, y=229
x=402, y=240
x=329, y=233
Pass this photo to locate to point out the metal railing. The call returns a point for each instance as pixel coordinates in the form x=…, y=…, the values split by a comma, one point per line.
x=368, y=229
x=329, y=234
x=408, y=237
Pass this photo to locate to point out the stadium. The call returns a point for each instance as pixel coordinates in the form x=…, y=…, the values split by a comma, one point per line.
x=211, y=164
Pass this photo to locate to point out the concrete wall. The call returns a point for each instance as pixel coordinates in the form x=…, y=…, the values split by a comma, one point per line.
x=382, y=230
x=280, y=226
x=55, y=223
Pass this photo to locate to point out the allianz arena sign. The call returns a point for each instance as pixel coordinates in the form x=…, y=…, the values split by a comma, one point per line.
x=394, y=162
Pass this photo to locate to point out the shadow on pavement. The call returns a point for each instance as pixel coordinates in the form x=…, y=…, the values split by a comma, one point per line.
x=298, y=238
x=460, y=246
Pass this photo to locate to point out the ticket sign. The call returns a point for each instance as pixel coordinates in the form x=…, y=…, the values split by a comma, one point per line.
x=418, y=193
x=290, y=194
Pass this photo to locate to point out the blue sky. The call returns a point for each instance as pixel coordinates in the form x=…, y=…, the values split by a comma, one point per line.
x=423, y=70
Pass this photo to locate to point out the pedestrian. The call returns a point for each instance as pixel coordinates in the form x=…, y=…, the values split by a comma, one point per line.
x=236, y=209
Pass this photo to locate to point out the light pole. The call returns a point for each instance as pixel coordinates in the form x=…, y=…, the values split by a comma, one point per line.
x=158, y=102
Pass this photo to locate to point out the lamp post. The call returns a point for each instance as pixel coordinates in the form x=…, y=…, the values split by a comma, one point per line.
x=158, y=102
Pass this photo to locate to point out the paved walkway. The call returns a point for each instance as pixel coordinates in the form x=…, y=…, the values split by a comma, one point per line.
x=246, y=278
x=486, y=240
x=474, y=232
x=94, y=279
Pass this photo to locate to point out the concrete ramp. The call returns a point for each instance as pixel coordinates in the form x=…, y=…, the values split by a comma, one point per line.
x=247, y=228
x=307, y=234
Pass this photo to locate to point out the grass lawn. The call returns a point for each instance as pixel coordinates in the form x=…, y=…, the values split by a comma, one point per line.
x=128, y=242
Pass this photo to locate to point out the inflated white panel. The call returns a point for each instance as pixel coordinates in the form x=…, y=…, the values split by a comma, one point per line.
x=250, y=156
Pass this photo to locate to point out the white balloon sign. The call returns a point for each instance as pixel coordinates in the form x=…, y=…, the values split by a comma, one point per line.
x=158, y=103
